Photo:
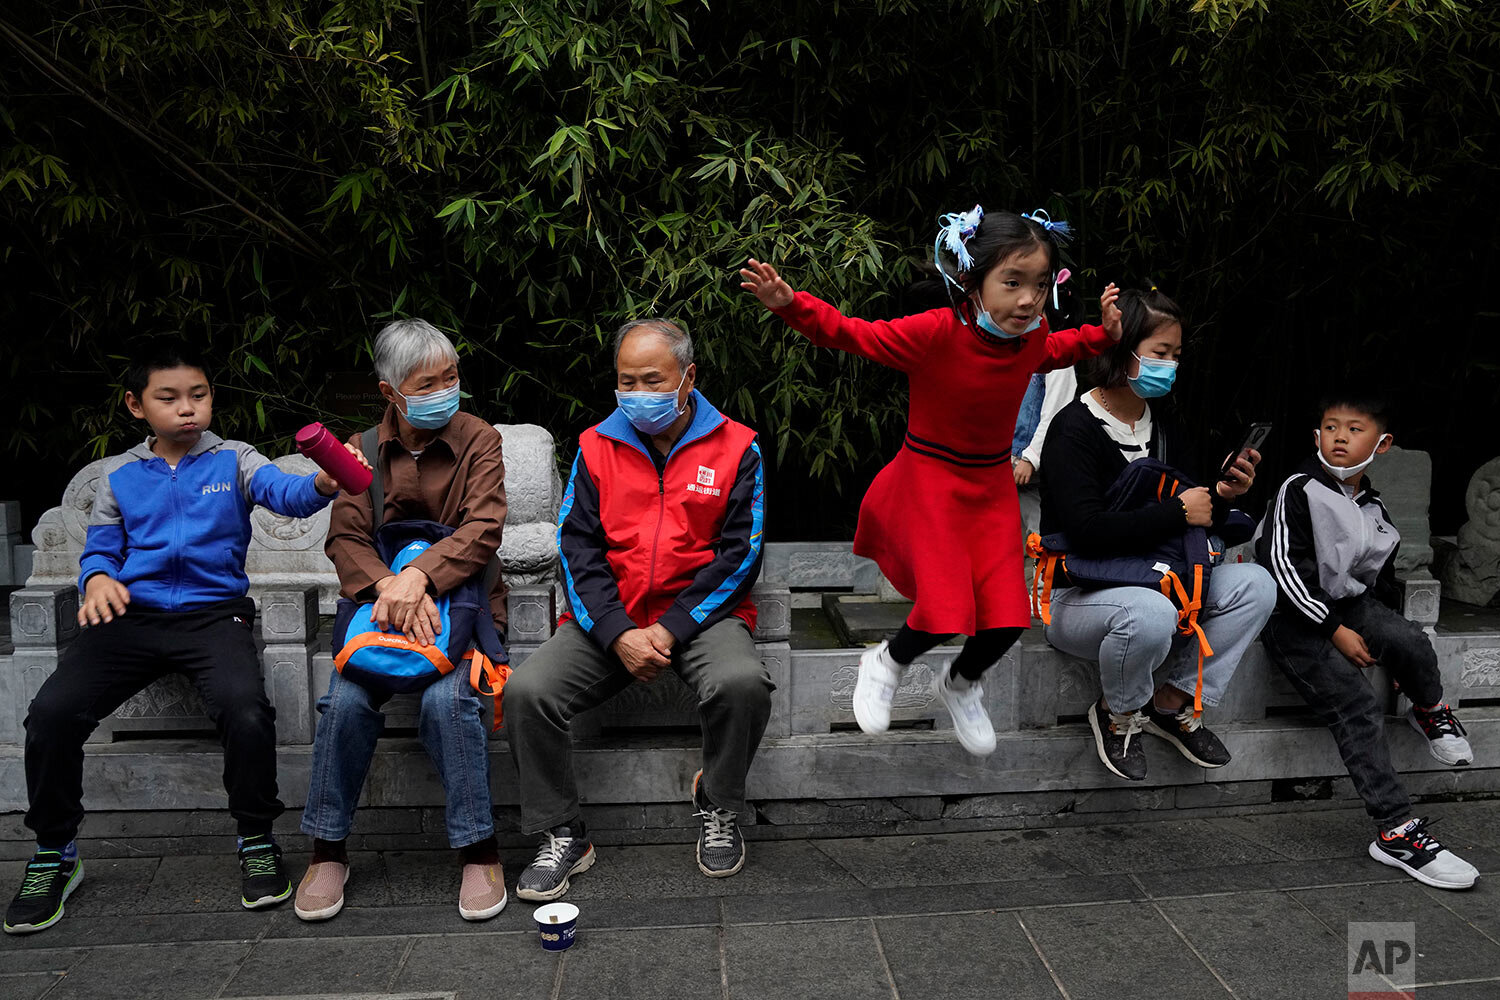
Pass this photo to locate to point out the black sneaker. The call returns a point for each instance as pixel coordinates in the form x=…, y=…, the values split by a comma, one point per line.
x=565, y=852
x=721, y=846
x=47, y=884
x=263, y=882
x=1117, y=738
x=1413, y=850
x=1188, y=734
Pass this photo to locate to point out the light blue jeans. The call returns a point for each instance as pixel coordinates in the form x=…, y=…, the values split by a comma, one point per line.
x=1132, y=632
x=451, y=728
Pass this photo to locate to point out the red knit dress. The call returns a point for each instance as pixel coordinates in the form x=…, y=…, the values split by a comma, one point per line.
x=942, y=519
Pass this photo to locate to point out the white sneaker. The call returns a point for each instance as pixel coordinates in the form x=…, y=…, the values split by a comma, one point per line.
x=971, y=723
x=1445, y=734
x=1413, y=850
x=879, y=676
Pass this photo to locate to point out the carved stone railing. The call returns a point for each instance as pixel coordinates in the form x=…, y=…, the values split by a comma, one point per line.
x=286, y=553
x=1034, y=688
x=292, y=582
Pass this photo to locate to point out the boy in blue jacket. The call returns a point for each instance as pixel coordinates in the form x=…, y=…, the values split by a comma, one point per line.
x=164, y=590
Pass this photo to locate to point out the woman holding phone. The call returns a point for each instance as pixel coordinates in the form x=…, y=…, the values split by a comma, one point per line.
x=1132, y=631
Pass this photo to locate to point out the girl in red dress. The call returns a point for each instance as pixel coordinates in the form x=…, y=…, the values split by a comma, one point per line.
x=942, y=519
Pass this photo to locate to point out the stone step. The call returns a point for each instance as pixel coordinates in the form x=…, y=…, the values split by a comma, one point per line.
x=186, y=774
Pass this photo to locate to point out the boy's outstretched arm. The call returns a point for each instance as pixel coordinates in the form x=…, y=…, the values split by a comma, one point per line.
x=261, y=482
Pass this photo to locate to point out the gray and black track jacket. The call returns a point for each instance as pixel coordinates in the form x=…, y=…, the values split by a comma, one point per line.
x=1326, y=548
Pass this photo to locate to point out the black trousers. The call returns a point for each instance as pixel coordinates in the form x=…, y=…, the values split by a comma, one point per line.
x=1340, y=693
x=215, y=647
x=979, y=652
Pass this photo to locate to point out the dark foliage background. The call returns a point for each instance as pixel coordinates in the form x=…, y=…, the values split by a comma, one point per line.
x=1314, y=180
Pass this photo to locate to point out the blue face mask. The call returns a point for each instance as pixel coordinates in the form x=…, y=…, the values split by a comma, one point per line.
x=1155, y=379
x=651, y=412
x=432, y=410
x=992, y=328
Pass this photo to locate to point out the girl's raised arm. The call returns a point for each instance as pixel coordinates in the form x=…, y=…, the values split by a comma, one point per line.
x=898, y=343
x=1068, y=347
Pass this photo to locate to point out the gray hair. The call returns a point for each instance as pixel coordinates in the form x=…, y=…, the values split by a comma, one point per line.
x=408, y=345
x=681, y=344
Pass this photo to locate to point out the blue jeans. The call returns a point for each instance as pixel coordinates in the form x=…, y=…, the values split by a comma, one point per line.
x=1132, y=631
x=451, y=728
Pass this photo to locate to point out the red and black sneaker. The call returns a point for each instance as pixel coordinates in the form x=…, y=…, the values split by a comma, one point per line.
x=1447, y=739
x=1412, y=849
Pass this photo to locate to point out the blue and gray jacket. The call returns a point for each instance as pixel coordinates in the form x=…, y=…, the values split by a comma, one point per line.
x=176, y=538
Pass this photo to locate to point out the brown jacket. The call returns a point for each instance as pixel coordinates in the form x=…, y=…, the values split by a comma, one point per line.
x=458, y=481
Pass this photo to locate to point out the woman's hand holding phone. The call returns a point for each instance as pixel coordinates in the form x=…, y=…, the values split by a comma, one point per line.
x=1240, y=475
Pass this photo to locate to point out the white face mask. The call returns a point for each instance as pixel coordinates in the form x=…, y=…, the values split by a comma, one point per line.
x=1344, y=473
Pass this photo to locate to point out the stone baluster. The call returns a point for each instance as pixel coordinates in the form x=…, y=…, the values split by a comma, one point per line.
x=532, y=613
x=289, y=626
x=43, y=620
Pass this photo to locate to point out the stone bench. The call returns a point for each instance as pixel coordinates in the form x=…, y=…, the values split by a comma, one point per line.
x=640, y=749
x=297, y=664
x=295, y=588
x=292, y=582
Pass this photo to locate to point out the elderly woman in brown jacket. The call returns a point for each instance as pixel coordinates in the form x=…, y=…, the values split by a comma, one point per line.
x=436, y=464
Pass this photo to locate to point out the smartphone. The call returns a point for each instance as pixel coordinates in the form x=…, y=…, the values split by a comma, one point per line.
x=1254, y=438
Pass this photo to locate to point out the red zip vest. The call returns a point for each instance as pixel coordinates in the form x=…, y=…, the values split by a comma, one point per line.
x=660, y=530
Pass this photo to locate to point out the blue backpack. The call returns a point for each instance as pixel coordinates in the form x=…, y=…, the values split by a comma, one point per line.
x=390, y=663
x=1179, y=567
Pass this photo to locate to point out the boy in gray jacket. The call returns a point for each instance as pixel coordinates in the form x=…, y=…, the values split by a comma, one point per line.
x=1331, y=547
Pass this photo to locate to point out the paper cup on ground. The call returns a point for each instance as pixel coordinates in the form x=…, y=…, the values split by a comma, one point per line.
x=558, y=924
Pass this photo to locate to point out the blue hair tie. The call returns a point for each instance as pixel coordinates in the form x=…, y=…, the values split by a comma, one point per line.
x=957, y=228
x=1060, y=229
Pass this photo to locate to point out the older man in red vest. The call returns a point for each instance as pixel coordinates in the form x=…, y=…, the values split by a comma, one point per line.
x=660, y=532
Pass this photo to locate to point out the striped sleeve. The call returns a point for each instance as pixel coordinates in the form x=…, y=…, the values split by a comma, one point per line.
x=721, y=586
x=1289, y=550
x=593, y=593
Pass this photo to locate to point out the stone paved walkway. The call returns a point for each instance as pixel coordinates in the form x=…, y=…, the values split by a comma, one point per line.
x=1247, y=907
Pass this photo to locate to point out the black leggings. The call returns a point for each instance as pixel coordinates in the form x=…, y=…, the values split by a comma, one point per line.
x=980, y=652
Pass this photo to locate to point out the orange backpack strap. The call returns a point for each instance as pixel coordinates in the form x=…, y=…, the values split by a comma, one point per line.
x=489, y=680
x=1041, y=577
x=392, y=640
x=1191, y=605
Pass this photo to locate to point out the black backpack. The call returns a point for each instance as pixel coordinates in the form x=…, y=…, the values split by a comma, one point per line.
x=1179, y=567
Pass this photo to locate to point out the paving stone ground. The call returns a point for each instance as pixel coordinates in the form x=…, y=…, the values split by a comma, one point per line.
x=1242, y=907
